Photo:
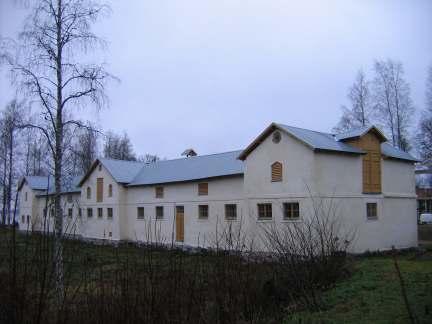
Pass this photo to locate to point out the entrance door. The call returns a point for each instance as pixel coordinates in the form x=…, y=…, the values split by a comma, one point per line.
x=179, y=223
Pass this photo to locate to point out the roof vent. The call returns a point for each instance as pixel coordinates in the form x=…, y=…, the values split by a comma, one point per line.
x=189, y=152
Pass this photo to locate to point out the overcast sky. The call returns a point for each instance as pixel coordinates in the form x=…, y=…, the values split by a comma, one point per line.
x=212, y=74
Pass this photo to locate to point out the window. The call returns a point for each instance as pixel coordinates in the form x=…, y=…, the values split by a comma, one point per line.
x=110, y=190
x=276, y=172
x=99, y=190
x=100, y=212
x=70, y=212
x=203, y=189
x=203, y=211
x=230, y=211
x=26, y=196
x=22, y=219
x=110, y=234
x=100, y=167
x=110, y=213
x=88, y=193
x=371, y=210
x=79, y=212
x=69, y=198
x=89, y=212
x=159, y=212
x=140, y=213
x=159, y=192
x=28, y=219
x=45, y=212
x=291, y=210
x=264, y=210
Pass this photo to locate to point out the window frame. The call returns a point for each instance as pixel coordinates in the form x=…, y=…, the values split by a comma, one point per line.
x=139, y=216
x=99, y=212
x=289, y=208
x=89, y=212
x=201, y=209
x=157, y=212
x=110, y=213
x=275, y=178
x=227, y=206
x=88, y=192
x=375, y=209
x=70, y=212
x=265, y=205
x=110, y=190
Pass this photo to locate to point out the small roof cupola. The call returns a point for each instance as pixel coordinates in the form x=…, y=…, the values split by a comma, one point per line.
x=189, y=152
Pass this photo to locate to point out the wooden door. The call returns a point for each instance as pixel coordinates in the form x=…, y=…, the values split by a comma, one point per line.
x=179, y=223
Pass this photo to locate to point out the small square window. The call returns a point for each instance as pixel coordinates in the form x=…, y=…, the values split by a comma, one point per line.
x=109, y=213
x=100, y=212
x=203, y=211
x=291, y=210
x=159, y=192
x=230, y=211
x=371, y=210
x=159, y=212
x=140, y=213
x=265, y=211
x=89, y=212
x=203, y=189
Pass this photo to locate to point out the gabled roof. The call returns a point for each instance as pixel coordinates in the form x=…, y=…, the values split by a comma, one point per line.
x=34, y=182
x=317, y=141
x=122, y=171
x=191, y=168
x=358, y=132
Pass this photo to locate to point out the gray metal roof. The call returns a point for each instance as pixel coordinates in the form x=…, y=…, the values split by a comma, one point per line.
x=353, y=133
x=319, y=140
x=37, y=182
x=191, y=168
x=122, y=171
x=390, y=151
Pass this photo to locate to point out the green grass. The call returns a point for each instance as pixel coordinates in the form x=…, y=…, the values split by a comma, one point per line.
x=373, y=293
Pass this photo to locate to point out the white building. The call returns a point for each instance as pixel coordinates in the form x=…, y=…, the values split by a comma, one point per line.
x=272, y=181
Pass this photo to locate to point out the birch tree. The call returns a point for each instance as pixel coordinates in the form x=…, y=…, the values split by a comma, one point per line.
x=392, y=99
x=47, y=64
x=358, y=114
x=424, y=133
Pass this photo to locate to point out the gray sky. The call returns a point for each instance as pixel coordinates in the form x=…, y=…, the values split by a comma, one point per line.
x=213, y=74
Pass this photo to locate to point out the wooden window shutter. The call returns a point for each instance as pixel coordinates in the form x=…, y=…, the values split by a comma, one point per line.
x=99, y=190
x=276, y=172
x=203, y=189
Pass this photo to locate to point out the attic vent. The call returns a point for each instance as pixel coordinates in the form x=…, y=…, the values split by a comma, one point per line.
x=276, y=137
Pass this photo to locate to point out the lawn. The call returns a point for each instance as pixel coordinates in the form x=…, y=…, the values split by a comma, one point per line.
x=373, y=293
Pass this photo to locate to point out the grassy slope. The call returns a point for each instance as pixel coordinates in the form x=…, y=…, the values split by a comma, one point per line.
x=373, y=293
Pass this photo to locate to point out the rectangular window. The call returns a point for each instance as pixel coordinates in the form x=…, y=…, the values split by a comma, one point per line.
x=203, y=211
x=140, y=213
x=28, y=219
x=99, y=190
x=159, y=212
x=264, y=210
x=22, y=219
x=70, y=212
x=159, y=192
x=203, y=189
x=79, y=212
x=69, y=198
x=26, y=196
x=291, y=210
x=89, y=212
x=230, y=211
x=109, y=213
x=100, y=212
x=371, y=210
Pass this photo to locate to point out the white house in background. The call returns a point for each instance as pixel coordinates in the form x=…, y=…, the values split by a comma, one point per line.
x=188, y=200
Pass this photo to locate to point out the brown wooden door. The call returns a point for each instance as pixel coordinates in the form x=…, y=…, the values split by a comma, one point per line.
x=179, y=223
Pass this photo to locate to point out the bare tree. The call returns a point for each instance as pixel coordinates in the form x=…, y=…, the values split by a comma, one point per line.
x=47, y=65
x=85, y=148
x=392, y=99
x=360, y=98
x=11, y=119
x=424, y=133
x=118, y=147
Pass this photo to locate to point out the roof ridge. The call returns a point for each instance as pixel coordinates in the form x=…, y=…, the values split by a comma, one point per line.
x=193, y=157
x=310, y=130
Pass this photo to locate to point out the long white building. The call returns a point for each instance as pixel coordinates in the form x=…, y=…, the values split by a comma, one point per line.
x=272, y=181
